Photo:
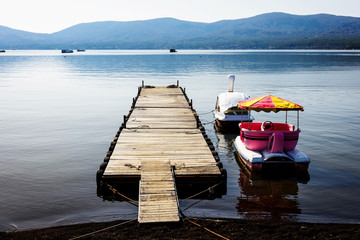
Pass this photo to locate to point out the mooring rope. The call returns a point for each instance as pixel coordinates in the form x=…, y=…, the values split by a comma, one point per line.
x=131, y=201
x=134, y=202
x=199, y=225
x=191, y=205
x=208, y=122
x=205, y=113
x=101, y=230
x=205, y=228
x=210, y=189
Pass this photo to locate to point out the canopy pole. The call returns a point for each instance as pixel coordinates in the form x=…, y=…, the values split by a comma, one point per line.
x=298, y=122
x=249, y=120
x=286, y=117
x=242, y=114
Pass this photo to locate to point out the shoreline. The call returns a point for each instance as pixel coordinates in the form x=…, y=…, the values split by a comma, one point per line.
x=193, y=228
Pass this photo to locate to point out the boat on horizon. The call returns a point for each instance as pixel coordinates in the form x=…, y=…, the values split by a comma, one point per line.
x=267, y=145
x=227, y=114
x=67, y=51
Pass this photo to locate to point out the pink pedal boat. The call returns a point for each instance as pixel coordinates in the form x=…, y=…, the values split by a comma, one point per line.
x=270, y=145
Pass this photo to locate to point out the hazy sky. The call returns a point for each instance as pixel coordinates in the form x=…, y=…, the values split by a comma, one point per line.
x=48, y=16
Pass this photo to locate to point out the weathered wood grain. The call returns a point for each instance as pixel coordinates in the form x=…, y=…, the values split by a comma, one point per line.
x=157, y=198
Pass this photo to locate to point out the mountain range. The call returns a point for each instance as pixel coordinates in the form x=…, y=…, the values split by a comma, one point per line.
x=265, y=31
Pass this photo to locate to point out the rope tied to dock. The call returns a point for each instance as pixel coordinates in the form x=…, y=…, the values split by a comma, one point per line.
x=206, y=113
x=135, y=203
x=131, y=201
x=210, y=189
x=209, y=122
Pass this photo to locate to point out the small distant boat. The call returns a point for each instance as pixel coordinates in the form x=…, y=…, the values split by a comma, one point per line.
x=67, y=51
x=268, y=145
x=80, y=50
x=227, y=114
x=173, y=50
x=2, y=50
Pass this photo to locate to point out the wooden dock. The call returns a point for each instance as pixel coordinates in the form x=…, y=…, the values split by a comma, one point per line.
x=161, y=142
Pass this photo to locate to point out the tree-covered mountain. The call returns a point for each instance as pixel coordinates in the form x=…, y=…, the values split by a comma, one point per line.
x=266, y=31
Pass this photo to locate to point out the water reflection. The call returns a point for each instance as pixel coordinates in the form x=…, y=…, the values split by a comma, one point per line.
x=269, y=197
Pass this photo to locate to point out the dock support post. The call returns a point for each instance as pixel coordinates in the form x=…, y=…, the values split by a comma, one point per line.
x=125, y=120
x=133, y=103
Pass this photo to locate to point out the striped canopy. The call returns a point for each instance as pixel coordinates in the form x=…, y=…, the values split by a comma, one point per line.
x=269, y=103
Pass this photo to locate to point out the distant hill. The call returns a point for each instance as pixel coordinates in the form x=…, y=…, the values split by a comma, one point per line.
x=11, y=38
x=266, y=31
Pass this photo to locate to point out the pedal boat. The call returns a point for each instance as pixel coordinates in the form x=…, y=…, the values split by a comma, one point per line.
x=268, y=145
x=227, y=114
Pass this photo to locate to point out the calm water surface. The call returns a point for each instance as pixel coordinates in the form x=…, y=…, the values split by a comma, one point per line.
x=58, y=114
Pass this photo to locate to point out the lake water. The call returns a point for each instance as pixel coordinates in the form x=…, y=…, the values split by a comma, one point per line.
x=59, y=113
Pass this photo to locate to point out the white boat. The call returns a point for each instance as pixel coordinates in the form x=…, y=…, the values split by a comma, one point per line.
x=227, y=114
x=260, y=160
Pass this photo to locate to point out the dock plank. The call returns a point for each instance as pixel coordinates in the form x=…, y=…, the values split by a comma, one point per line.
x=157, y=198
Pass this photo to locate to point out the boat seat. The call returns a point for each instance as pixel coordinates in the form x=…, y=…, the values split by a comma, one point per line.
x=279, y=127
x=267, y=126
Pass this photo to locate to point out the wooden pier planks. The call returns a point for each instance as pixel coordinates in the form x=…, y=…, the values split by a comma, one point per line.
x=186, y=149
x=161, y=138
x=160, y=97
x=158, y=199
x=164, y=117
x=161, y=107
